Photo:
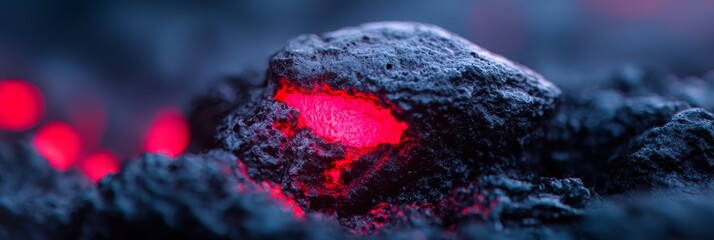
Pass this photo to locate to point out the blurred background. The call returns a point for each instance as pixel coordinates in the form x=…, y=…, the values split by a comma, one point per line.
x=92, y=83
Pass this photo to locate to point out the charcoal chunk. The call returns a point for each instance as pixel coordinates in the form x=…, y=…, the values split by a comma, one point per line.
x=209, y=110
x=467, y=111
x=195, y=196
x=678, y=154
x=596, y=126
x=495, y=201
x=36, y=201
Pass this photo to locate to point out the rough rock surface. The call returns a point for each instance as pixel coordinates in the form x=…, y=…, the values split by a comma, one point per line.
x=468, y=111
x=485, y=153
x=593, y=127
x=35, y=200
x=494, y=201
x=678, y=154
x=200, y=196
x=209, y=110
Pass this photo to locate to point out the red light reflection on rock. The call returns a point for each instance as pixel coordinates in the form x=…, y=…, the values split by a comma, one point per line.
x=21, y=105
x=169, y=133
x=59, y=142
x=287, y=204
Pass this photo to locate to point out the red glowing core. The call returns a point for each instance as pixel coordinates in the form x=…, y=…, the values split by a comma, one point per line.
x=354, y=120
x=358, y=121
x=21, y=105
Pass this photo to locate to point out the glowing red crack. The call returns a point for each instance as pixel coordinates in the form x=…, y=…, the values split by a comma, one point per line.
x=355, y=120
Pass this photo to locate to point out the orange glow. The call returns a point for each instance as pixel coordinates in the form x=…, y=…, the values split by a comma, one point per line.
x=99, y=164
x=59, y=143
x=169, y=133
x=21, y=105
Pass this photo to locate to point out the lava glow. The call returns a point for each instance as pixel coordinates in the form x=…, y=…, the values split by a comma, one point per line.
x=21, y=105
x=59, y=143
x=357, y=121
x=338, y=117
x=169, y=134
x=99, y=164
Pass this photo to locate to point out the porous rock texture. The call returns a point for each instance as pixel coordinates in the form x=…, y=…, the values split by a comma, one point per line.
x=487, y=154
x=194, y=197
x=679, y=154
x=597, y=125
x=468, y=111
x=36, y=201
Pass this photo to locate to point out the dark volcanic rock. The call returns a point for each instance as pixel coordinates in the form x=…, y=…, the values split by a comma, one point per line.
x=209, y=110
x=678, y=154
x=35, y=200
x=593, y=127
x=491, y=201
x=195, y=197
x=516, y=203
x=466, y=112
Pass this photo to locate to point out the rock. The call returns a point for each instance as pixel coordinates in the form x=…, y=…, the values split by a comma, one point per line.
x=596, y=126
x=209, y=109
x=678, y=154
x=200, y=196
x=516, y=203
x=495, y=201
x=386, y=112
x=36, y=201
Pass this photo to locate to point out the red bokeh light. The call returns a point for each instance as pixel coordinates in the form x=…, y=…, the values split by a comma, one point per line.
x=99, y=164
x=21, y=105
x=169, y=133
x=59, y=143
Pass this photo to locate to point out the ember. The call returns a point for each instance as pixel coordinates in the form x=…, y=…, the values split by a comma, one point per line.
x=357, y=121
x=386, y=130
